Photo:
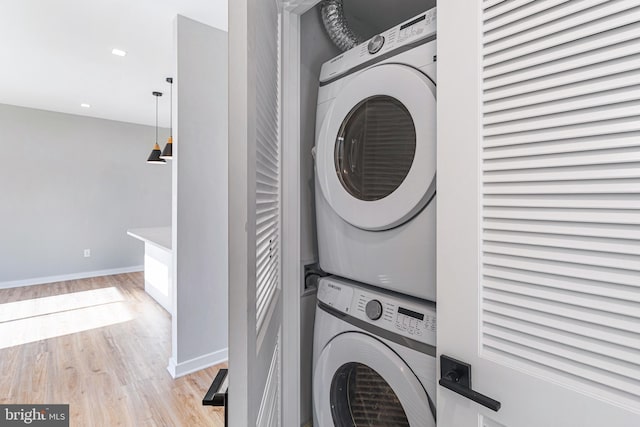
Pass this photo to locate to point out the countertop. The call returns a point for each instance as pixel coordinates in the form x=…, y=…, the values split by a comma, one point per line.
x=157, y=236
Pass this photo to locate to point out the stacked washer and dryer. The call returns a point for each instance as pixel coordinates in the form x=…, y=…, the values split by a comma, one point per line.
x=375, y=157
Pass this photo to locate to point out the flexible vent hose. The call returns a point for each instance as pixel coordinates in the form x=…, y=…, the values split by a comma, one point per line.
x=336, y=25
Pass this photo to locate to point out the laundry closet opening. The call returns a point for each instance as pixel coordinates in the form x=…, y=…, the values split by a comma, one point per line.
x=380, y=161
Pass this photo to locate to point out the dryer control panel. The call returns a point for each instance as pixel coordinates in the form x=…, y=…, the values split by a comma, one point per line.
x=402, y=315
x=409, y=32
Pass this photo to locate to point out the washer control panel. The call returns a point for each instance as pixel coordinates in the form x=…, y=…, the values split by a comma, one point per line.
x=406, y=316
x=411, y=31
x=414, y=323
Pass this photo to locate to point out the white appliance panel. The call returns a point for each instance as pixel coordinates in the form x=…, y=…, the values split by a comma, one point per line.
x=400, y=258
x=339, y=342
x=409, y=32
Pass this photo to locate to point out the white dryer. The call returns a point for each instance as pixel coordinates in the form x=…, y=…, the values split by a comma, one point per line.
x=373, y=358
x=375, y=158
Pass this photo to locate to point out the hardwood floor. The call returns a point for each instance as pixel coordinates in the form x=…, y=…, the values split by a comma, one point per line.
x=113, y=375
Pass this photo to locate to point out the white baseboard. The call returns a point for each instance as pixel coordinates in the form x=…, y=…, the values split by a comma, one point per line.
x=189, y=366
x=73, y=276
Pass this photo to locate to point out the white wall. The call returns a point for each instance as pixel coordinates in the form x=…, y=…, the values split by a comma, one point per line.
x=71, y=183
x=200, y=220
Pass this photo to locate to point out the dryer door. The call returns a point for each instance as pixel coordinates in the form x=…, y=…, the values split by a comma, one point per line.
x=376, y=149
x=360, y=382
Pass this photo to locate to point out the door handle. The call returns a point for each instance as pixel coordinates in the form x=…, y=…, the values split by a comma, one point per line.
x=456, y=376
x=352, y=160
x=218, y=394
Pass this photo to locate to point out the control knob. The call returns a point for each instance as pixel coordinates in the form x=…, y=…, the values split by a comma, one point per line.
x=373, y=309
x=375, y=44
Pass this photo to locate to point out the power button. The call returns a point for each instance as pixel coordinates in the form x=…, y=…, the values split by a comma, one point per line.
x=373, y=309
x=375, y=44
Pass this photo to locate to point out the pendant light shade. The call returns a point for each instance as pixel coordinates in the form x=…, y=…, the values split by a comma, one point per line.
x=167, y=153
x=154, y=157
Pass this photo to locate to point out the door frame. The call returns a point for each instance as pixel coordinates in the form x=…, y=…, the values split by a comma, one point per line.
x=239, y=297
x=292, y=269
x=291, y=254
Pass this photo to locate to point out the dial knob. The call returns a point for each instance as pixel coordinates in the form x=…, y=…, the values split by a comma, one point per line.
x=375, y=44
x=373, y=309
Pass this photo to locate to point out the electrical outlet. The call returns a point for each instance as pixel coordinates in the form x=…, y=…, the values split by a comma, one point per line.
x=87, y=253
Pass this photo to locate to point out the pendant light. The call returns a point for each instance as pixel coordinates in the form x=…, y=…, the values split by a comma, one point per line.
x=167, y=153
x=154, y=157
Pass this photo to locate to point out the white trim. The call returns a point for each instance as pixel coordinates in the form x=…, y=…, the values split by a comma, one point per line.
x=243, y=411
x=173, y=291
x=67, y=277
x=198, y=363
x=299, y=7
x=291, y=266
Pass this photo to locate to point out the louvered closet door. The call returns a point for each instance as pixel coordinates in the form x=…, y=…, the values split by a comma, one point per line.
x=539, y=210
x=255, y=351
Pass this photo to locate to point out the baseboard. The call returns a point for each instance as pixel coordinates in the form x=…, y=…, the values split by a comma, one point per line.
x=202, y=362
x=73, y=276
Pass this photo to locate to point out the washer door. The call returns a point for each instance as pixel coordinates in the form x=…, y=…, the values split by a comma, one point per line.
x=360, y=382
x=376, y=155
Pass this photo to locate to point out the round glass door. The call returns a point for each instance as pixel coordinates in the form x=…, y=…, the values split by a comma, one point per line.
x=361, y=397
x=358, y=381
x=376, y=147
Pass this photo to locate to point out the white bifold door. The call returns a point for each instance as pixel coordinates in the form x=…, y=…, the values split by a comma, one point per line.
x=255, y=201
x=539, y=213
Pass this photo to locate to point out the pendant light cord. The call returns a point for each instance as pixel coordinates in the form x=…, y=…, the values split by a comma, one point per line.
x=171, y=110
x=156, y=119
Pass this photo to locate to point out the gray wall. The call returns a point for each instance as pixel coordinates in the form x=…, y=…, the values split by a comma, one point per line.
x=200, y=223
x=71, y=183
x=315, y=49
x=371, y=17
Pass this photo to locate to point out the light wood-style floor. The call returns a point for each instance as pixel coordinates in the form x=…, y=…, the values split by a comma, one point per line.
x=113, y=375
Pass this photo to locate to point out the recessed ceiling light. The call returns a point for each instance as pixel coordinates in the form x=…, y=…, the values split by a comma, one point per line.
x=83, y=105
x=119, y=52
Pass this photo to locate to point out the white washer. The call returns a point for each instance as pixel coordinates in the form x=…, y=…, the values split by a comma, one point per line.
x=373, y=357
x=376, y=160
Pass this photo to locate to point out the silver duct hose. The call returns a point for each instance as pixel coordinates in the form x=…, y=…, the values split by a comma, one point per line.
x=336, y=25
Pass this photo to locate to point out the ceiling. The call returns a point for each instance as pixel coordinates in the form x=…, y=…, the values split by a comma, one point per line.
x=57, y=54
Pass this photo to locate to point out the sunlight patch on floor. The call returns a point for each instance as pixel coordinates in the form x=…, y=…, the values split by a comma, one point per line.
x=56, y=303
x=36, y=319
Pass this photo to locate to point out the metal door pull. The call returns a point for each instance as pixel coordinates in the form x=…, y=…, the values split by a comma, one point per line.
x=456, y=376
x=218, y=394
